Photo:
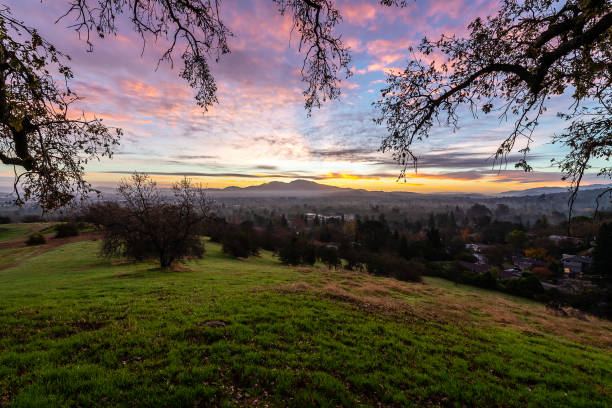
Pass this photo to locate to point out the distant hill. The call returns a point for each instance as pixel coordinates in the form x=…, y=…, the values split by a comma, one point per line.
x=295, y=185
x=294, y=188
x=547, y=190
x=303, y=188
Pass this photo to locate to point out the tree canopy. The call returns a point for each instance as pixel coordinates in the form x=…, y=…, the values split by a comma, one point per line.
x=38, y=132
x=512, y=64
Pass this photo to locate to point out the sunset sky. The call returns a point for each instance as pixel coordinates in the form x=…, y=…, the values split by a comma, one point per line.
x=259, y=131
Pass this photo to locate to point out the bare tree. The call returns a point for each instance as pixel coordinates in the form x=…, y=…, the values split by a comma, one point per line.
x=148, y=224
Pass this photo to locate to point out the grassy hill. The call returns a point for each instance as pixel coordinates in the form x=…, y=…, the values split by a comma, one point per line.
x=77, y=330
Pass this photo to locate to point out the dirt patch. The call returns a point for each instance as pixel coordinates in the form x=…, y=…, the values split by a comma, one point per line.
x=364, y=300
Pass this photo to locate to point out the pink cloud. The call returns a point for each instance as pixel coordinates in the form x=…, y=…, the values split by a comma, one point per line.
x=359, y=14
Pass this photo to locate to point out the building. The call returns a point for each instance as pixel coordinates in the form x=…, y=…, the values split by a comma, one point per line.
x=559, y=238
x=510, y=273
x=575, y=264
x=526, y=264
x=477, y=251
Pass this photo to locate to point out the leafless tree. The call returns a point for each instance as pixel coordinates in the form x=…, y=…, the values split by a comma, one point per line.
x=149, y=224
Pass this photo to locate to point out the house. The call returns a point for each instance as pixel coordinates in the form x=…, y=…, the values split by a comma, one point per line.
x=477, y=251
x=510, y=273
x=558, y=238
x=575, y=264
x=526, y=264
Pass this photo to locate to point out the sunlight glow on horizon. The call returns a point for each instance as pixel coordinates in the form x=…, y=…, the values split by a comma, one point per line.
x=387, y=184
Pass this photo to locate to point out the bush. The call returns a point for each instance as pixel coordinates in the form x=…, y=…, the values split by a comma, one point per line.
x=291, y=254
x=238, y=244
x=309, y=254
x=297, y=252
x=215, y=228
x=391, y=265
x=68, y=229
x=466, y=257
x=32, y=218
x=5, y=220
x=528, y=285
x=410, y=272
x=354, y=259
x=36, y=239
x=488, y=279
x=329, y=256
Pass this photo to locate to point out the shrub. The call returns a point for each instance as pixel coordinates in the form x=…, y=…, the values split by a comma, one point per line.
x=291, y=253
x=36, y=239
x=329, y=256
x=215, y=227
x=353, y=257
x=309, y=254
x=31, y=218
x=391, y=265
x=410, y=271
x=238, y=244
x=68, y=229
x=5, y=220
x=488, y=279
x=528, y=286
x=297, y=252
x=466, y=257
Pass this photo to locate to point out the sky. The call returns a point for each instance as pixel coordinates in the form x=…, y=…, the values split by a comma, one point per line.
x=259, y=131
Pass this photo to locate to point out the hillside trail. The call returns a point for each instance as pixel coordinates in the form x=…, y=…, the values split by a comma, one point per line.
x=51, y=244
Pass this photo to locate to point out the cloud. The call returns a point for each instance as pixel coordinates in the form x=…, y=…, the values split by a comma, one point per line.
x=351, y=154
x=359, y=14
x=189, y=157
x=260, y=117
x=332, y=176
x=207, y=174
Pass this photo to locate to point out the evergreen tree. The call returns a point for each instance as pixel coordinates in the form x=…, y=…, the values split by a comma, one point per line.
x=602, y=255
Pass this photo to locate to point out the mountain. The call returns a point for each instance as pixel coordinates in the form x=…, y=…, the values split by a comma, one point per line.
x=295, y=185
x=305, y=188
x=547, y=190
x=294, y=188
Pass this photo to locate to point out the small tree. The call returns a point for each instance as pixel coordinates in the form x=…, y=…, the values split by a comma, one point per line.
x=149, y=224
x=239, y=240
x=67, y=229
x=297, y=252
x=517, y=239
x=536, y=253
x=329, y=256
x=36, y=239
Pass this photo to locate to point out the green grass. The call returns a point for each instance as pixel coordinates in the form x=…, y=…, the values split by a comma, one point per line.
x=21, y=231
x=10, y=256
x=77, y=330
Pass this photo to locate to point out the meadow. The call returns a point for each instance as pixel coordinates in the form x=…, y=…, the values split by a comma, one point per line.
x=80, y=330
